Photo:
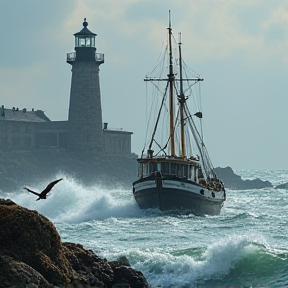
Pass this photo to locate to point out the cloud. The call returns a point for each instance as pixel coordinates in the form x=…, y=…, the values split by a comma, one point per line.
x=222, y=29
x=275, y=28
x=16, y=88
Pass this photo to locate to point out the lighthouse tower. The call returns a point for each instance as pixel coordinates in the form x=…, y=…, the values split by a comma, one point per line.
x=85, y=131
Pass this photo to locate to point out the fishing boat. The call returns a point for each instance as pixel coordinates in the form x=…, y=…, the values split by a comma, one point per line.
x=176, y=172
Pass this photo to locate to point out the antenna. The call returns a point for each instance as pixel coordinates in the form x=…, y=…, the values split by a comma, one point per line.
x=169, y=19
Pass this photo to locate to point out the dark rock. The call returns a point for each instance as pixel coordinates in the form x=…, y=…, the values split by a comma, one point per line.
x=7, y=202
x=16, y=272
x=33, y=240
x=233, y=181
x=282, y=186
x=31, y=252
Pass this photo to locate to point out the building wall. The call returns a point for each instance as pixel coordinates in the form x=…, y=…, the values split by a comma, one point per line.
x=16, y=135
x=117, y=142
x=51, y=134
x=23, y=135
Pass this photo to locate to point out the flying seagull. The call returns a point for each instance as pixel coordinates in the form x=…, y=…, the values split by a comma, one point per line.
x=43, y=194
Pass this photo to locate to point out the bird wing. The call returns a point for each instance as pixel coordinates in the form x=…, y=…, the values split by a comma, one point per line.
x=50, y=186
x=31, y=191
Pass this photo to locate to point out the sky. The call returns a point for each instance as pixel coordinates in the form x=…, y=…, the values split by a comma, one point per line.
x=240, y=48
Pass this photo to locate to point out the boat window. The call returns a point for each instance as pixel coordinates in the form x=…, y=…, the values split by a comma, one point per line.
x=197, y=175
x=159, y=166
x=165, y=168
x=176, y=169
x=200, y=174
x=173, y=168
x=140, y=170
x=191, y=172
x=152, y=167
x=180, y=170
x=185, y=171
x=145, y=169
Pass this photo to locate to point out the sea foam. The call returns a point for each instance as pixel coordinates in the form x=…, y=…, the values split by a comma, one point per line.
x=70, y=201
x=215, y=264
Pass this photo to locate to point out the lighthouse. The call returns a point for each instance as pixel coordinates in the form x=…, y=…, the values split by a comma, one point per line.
x=85, y=131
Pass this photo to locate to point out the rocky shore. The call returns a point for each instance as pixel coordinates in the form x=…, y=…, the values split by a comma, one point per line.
x=32, y=255
x=235, y=182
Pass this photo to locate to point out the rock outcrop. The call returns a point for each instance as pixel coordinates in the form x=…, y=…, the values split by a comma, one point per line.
x=282, y=186
x=233, y=181
x=33, y=255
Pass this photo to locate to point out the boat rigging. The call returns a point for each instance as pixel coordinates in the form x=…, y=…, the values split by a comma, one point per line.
x=177, y=177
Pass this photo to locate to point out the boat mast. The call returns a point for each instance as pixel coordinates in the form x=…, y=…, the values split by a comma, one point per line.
x=171, y=77
x=181, y=99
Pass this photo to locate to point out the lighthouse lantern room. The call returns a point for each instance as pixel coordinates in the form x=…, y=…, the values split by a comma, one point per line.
x=85, y=38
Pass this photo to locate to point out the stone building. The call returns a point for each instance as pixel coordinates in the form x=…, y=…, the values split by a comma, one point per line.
x=84, y=131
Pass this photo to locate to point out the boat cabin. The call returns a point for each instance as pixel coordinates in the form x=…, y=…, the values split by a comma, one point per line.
x=189, y=170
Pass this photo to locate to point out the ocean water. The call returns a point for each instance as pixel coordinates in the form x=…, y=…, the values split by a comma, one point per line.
x=245, y=246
